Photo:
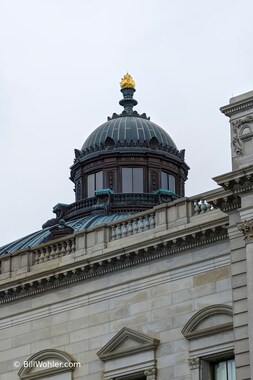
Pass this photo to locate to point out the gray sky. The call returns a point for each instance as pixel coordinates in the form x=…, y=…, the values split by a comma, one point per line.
x=60, y=66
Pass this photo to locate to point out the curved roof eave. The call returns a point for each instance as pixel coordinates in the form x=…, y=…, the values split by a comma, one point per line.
x=38, y=237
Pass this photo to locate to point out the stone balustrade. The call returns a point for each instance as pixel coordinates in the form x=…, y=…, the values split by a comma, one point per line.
x=76, y=207
x=91, y=242
x=201, y=206
x=54, y=250
x=132, y=226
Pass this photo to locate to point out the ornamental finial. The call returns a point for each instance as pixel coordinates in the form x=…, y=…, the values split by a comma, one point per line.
x=127, y=81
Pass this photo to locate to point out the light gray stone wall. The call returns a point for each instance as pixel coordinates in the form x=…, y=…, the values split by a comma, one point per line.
x=157, y=299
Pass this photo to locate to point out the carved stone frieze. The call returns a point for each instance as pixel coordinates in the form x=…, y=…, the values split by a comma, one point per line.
x=236, y=136
x=246, y=227
x=194, y=363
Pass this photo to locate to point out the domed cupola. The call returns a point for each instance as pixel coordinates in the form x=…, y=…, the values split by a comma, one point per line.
x=130, y=161
x=129, y=129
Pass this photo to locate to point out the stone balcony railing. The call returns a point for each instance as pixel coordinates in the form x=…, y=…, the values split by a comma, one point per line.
x=91, y=243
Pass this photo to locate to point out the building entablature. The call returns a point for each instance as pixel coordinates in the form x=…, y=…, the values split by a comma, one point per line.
x=238, y=181
x=165, y=230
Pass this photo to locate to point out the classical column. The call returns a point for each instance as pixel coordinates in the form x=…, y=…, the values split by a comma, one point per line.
x=246, y=227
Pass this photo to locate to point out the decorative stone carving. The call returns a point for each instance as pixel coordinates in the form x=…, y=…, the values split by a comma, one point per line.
x=194, y=363
x=237, y=127
x=150, y=374
x=246, y=227
x=227, y=203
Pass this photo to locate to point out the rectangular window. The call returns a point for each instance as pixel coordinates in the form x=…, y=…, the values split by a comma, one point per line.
x=94, y=182
x=225, y=370
x=164, y=181
x=91, y=185
x=99, y=181
x=132, y=180
x=127, y=180
x=168, y=182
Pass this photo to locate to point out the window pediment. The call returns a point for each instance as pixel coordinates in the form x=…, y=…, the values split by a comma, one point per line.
x=129, y=355
x=47, y=364
x=208, y=321
x=127, y=342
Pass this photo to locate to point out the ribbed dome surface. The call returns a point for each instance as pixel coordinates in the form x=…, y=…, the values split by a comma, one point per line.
x=128, y=129
x=39, y=237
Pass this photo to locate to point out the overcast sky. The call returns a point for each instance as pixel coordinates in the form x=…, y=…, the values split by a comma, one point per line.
x=60, y=66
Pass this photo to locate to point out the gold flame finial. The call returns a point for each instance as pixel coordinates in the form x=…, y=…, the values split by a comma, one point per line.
x=127, y=81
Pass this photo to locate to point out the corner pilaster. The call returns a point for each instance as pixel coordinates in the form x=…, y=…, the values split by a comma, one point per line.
x=246, y=228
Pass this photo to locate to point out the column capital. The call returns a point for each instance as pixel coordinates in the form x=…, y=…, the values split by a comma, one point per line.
x=246, y=227
x=150, y=374
x=194, y=363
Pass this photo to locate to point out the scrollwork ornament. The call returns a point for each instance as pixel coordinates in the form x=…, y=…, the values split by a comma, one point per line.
x=236, y=140
x=194, y=363
x=246, y=227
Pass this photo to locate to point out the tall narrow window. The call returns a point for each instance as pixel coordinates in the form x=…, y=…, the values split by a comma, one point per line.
x=168, y=182
x=94, y=182
x=132, y=180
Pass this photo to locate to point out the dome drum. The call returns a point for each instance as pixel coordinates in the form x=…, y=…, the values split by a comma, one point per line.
x=151, y=164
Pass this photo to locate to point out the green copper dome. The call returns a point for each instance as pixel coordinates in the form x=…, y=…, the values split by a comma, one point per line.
x=128, y=130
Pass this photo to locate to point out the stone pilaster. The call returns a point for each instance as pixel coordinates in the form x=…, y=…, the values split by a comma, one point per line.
x=194, y=364
x=240, y=112
x=246, y=227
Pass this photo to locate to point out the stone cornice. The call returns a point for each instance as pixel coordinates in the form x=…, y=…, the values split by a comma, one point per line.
x=227, y=203
x=238, y=106
x=237, y=181
x=246, y=227
x=119, y=260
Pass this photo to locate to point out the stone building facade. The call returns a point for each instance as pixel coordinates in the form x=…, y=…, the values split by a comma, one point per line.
x=136, y=285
